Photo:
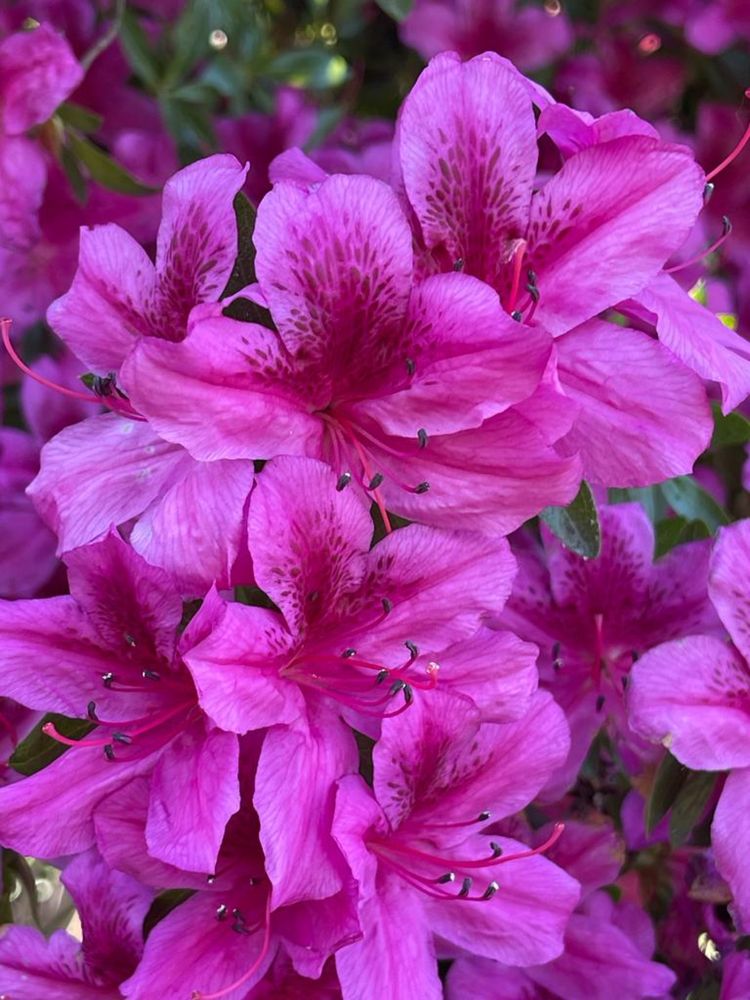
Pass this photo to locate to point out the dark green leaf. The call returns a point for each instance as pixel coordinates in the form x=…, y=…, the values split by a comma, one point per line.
x=647, y=496
x=669, y=778
x=243, y=272
x=689, y=805
x=668, y=534
x=694, y=531
x=687, y=498
x=577, y=525
x=254, y=597
x=164, y=903
x=79, y=118
x=731, y=428
x=104, y=169
x=397, y=9
x=39, y=750
x=365, y=746
x=138, y=51
x=73, y=172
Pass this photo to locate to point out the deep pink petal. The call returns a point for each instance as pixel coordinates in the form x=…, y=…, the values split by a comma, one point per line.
x=693, y=695
x=699, y=339
x=33, y=967
x=643, y=416
x=729, y=835
x=592, y=854
x=728, y=584
x=479, y=978
x=572, y=130
x=23, y=174
x=38, y=70
x=467, y=149
x=194, y=792
x=603, y=226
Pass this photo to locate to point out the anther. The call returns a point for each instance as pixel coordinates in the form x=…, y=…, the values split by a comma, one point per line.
x=129, y=639
x=422, y=488
x=343, y=481
x=107, y=679
x=210, y=879
x=376, y=480
x=348, y=653
x=516, y=315
x=410, y=366
x=600, y=702
x=382, y=676
x=91, y=711
x=465, y=887
x=122, y=738
x=387, y=605
x=444, y=879
x=490, y=891
x=396, y=687
x=483, y=816
x=221, y=912
x=458, y=264
x=496, y=849
x=151, y=675
x=408, y=694
x=109, y=752
x=422, y=437
x=708, y=190
x=413, y=650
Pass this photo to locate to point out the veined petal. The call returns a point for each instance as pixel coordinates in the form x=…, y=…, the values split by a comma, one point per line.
x=729, y=587
x=730, y=831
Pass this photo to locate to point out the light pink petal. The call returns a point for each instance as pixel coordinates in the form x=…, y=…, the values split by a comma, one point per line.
x=729, y=835
x=699, y=339
x=572, y=131
x=38, y=70
x=103, y=471
x=235, y=670
x=197, y=527
x=592, y=854
x=194, y=792
x=197, y=243
x=335, y=266
x=294, y=797
x=644, y=416
x=295, y=167
x=131, y=604
x=357, y=812
x=114, y=283
x=396, y=957
x=693, y=695
x=729, y=587
x=603, y=226
x=319, y=555
x=467, y=146
x=33, y=967
x=226, y=391
x=475, y=360
x=525, y=921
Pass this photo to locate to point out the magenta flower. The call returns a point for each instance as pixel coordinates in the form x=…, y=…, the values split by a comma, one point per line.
x=129, y=296
x=563, y=252
x=593, y=618
x=608, y=945
x=359, y=633
x=693, y=695
x=416, y=847
x=529, y=36
x=111, y=653
x=425, y=394
x=111, y=907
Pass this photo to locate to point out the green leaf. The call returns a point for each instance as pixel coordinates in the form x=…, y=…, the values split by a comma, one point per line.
x=669, y=778
x=104, y=169
x=647, y=496
x=577, y=525
x=138, y=51
x=79, y=118
x=39, y=750
x=397, y=9
x=164, y=903
x=730, y=428
x=687, y=498
x=243, y=272
x=689, y=804
x=668, y=534
x=73, y=172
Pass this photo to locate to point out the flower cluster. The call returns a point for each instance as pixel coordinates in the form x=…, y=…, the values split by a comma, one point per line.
x=336, y=658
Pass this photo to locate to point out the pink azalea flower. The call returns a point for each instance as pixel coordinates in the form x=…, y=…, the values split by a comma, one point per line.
x=110, y=653
x=425, y=394
x=693, y=695
x=528, y=35
x=592, y=618
x=366, y=632
x=416, y=847
x=111, y=907
x=608, y=945
x=562, y=253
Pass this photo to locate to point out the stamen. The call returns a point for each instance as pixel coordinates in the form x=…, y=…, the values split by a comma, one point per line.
x=465, y=887
x=726, y=231
x=517, y=258
x=708, y=191
x=458, y=264
x=91, y=711
x=221, y=912
x=490, y=891
x=410, y=366
x=376, y=481
x=199, y=995
x=348, y=653
x=422, y=437
x=151, y=675
x=445, y=879
x=107, y=679
x=735, y=152
x=422, y=488
x=343, y=481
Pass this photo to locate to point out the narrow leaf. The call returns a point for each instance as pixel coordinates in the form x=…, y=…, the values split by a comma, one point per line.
x=669, y=778
x=138, y=51
x=39, y=750
x=577, y=525
x=730, y=428
x=79, y=118
x=104, y=169
x=687, y=498
x=689, y=805
x=397, y=9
